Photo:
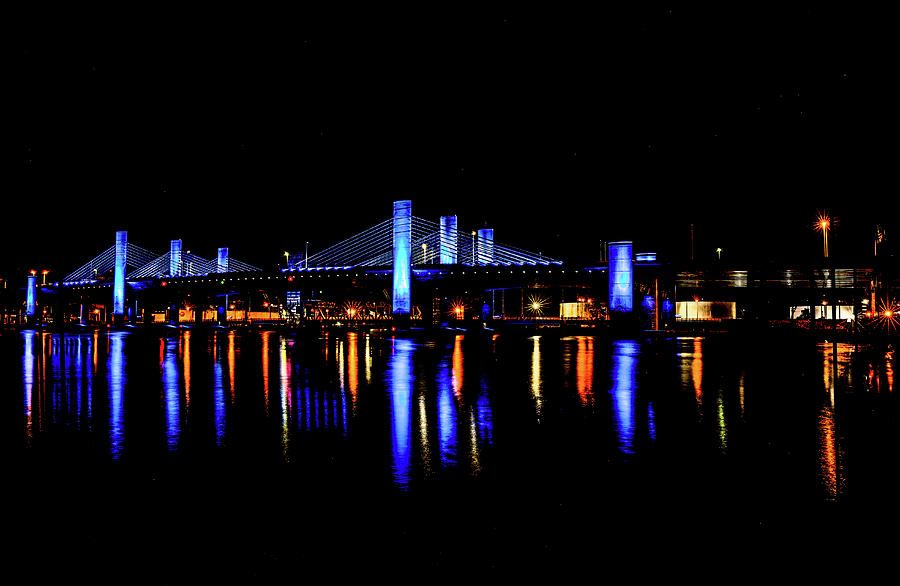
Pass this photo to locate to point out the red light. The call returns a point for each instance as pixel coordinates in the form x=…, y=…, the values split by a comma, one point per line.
x=291, y=278
x=163, y=283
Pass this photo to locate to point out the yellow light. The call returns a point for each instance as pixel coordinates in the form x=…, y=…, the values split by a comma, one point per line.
x=535, y=305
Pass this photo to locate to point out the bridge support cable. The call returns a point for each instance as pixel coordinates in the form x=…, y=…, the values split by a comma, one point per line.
x=467, y=253
x=191, y=265
x=373, y=247
x=353, y=251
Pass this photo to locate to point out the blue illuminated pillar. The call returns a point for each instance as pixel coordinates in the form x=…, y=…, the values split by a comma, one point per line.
x=402, y=258
x=175, y=258
x=621, y=276
x=119, y=274
x=485, y=246
x=31, y=296
x=223, y=261
x=449, y=243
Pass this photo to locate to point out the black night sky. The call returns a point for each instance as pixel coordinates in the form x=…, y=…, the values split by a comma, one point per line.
x=559, y=129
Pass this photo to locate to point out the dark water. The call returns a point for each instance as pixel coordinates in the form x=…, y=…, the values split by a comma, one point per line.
x=219, y=456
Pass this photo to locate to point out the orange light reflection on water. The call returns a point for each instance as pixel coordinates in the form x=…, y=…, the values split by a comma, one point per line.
x=353, y=366
x=265, y=367
x=232, y=359
x=584, y=370
x=457, y=375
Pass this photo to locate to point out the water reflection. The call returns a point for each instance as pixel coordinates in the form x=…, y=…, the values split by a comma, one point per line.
x=446, y=419
x=584, y=369
x=457, y=366
x=171, y=393
x=116, y=380
x=536, y=380
x=440, y=397
x=265, y=367
x=399, y=380
x=830, y=469
x=353, y=367
x=28, y=380
x=284, y=391
x=624, y=359
x=219, y=399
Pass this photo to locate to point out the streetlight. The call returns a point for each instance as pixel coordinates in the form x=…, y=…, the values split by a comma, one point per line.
x=424, y=253
x=719, y=252
x=44, y=273
x=473, y=247
x=823, y=224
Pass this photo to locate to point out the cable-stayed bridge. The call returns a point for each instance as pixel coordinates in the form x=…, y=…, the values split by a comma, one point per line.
x=404, y=267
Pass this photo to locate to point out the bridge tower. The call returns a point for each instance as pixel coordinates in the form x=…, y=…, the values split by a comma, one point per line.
x=175, y=258
x=31, y=298
x=222, y=266
x=449, y=240
x=485, y=246
x=621, y=276
x=119, y=275
x=402, y=259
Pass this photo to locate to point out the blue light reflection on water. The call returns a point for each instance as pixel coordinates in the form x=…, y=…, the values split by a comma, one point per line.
x=624, y=369
x=171, y=394
x=219, y=398
x=447, y=418
x=399, y=379
x=116, y=380
x=28, y=380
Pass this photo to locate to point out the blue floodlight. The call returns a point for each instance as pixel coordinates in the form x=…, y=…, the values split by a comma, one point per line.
x=222, y=266
x=621, y=276
x=402, y=257
x=175, y=258
x=449, y=240
x=31, y=295
x=485, y=246
x=119, y=274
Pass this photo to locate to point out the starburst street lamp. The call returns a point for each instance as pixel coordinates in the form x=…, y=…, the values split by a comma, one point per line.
x=823, y=224
x=536, y=305
x=888, y=315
